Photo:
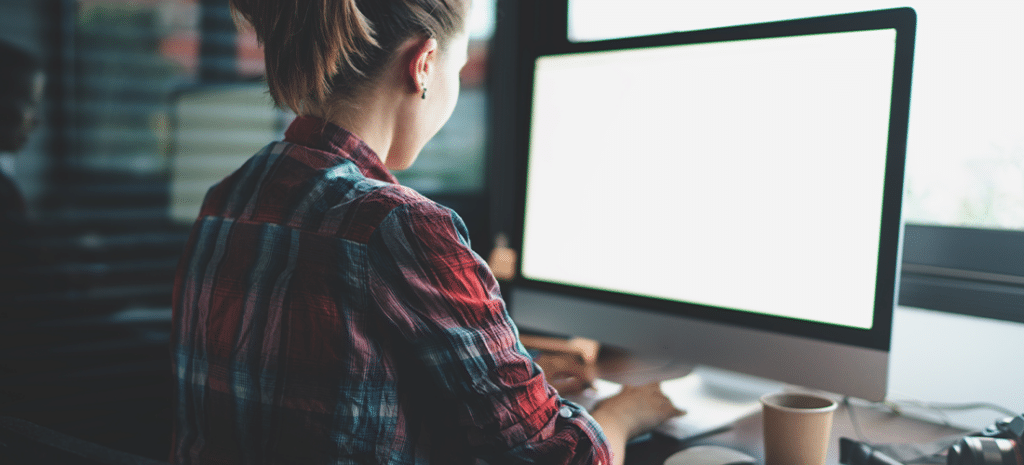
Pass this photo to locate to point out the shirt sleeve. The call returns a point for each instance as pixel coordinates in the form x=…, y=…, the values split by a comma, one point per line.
x=444, y=302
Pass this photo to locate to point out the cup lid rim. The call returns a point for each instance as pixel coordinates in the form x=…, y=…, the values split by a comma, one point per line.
x=766, y=401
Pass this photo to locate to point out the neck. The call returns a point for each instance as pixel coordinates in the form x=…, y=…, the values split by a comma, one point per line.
x=371, y=117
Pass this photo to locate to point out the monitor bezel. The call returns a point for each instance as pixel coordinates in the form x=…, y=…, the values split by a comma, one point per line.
x=903, y=21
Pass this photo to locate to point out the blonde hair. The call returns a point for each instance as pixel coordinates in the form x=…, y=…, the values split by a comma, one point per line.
x=316, y=49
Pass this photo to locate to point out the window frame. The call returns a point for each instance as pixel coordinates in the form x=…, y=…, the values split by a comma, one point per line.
x=968, y=271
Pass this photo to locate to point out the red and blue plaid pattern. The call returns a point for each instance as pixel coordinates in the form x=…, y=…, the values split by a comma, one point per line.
x=325, y=314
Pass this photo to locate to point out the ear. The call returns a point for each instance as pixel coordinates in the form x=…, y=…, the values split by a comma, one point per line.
x=424, y=63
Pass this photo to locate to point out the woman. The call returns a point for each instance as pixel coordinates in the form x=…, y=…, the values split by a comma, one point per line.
x=325, y=314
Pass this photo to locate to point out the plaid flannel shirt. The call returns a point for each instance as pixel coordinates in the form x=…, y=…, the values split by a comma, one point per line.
x=325, y=314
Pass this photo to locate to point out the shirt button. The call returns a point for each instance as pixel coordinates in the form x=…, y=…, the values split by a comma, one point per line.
x=565, y=412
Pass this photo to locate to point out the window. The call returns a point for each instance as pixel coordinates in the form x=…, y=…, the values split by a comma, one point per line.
x=966, y=150
x=965, y=159
x=150, y=103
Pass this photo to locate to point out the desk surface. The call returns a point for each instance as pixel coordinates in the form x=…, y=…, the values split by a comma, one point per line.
x=878, y=427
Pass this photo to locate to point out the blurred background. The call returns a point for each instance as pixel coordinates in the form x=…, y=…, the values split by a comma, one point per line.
x=146, y=104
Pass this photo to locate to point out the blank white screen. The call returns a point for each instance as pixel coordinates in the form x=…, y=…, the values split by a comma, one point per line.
x=746, y=175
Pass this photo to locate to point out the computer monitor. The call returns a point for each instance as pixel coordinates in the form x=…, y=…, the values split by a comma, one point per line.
x=727, y=197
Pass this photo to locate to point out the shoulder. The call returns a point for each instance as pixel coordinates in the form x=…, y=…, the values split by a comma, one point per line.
x=316, y=192
x=408, y=213
x=421, y=231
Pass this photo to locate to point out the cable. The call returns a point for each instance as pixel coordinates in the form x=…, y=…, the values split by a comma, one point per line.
x=939, y=409
x=941, y=406
x=899, y=407
x=854, y=420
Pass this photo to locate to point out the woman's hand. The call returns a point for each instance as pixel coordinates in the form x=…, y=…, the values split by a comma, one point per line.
x=637, y=409
x=632, y=412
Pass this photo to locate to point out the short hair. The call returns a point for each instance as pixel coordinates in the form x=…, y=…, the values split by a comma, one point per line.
x=314, y=49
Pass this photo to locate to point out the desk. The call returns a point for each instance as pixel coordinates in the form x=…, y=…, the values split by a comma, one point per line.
x=877, y=425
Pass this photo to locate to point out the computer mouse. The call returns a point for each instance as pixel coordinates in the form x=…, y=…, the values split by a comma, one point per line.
x=710, y=455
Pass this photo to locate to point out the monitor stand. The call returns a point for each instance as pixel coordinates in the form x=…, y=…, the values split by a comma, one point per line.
x=714, y=399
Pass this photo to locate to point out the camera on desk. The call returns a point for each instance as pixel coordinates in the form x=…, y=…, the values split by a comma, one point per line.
x=999, y=444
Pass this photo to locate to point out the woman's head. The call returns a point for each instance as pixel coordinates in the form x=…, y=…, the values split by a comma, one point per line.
x=319, y=50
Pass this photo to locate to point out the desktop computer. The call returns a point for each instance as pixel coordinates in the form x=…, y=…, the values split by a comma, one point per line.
x=725, y=198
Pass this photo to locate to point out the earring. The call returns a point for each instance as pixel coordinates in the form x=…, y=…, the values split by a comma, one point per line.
x=424, y=96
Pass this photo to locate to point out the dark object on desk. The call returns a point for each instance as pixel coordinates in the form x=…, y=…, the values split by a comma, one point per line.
x=710, y=455
x=26, y=443
x=858, y=453
x=1000, y=444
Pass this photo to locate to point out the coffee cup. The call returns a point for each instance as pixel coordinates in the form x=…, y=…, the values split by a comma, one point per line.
x=797, y=428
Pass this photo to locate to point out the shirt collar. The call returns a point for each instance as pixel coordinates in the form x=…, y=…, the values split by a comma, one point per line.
x=322, y=135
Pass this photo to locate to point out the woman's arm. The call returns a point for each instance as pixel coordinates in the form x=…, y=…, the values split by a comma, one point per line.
x=441, y=298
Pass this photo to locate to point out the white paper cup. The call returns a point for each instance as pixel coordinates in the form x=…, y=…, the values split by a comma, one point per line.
x=797, y=428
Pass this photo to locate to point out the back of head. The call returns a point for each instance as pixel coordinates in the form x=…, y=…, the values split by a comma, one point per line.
x=316, y=50
x=20, y=76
